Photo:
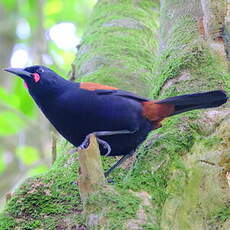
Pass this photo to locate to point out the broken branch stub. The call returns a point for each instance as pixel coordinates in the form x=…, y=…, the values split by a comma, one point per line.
x=91, y=171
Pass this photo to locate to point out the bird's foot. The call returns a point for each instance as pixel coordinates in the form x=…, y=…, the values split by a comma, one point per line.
x=105, y=145
x=86, y=142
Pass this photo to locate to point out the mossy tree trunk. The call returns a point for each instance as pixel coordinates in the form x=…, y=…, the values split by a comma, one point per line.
x=193, y=57
x=119, y=45
x=181, y=178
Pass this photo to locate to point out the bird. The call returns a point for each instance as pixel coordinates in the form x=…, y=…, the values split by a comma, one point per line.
x=119, y=119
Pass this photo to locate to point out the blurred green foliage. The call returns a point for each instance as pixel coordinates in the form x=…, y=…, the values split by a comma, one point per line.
x=17, y=110
x=2, y=164
x=27, y=154
x=10, y=123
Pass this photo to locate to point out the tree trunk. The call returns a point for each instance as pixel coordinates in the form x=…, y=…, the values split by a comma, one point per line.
x=7, y=40
x=119, y=45
x=194, y=57
x=181, y=178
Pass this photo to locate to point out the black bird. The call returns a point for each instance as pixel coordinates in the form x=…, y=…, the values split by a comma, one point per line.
x=119, y=119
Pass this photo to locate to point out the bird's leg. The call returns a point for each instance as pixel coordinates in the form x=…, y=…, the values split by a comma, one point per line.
x=85, y=143
x=119, y=162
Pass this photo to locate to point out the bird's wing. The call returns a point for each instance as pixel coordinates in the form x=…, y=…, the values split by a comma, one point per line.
x=122, y=93
x=153, y=111
x=108, y=90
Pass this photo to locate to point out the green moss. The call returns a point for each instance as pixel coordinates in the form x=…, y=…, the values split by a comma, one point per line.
x=6, y=222
x=117, y=207
x=117, y=55
x=196, y=190
x=117, y=48
x=182, y=50
x=31, y=225
x=47, y=198
x=222, y=214
x=210, y=141
x=156, y=162
x=185, y=50
x=151, y=227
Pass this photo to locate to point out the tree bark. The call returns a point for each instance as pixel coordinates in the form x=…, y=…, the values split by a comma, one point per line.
x=181, y=177
x=119, y=45
x=7, y=40
x=194, y=57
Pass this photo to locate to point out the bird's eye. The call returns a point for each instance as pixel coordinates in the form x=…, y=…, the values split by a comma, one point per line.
x=40, y=70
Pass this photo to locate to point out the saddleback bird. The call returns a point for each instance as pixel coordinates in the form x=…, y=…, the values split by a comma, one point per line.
x=120, y=120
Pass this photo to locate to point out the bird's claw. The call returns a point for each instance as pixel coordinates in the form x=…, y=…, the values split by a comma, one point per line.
x=105, y=145
x=83, y=146
x=86, y=142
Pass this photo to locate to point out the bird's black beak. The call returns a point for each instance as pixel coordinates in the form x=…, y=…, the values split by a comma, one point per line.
x=19, y=71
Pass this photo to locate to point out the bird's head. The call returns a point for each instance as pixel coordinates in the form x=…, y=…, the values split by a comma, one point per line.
x=38, y=79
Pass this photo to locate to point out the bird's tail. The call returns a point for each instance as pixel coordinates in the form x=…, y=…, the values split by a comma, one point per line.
x=189, y=102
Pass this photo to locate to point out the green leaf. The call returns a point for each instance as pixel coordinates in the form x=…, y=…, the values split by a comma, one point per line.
x=10, y=123
x=27, y=154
